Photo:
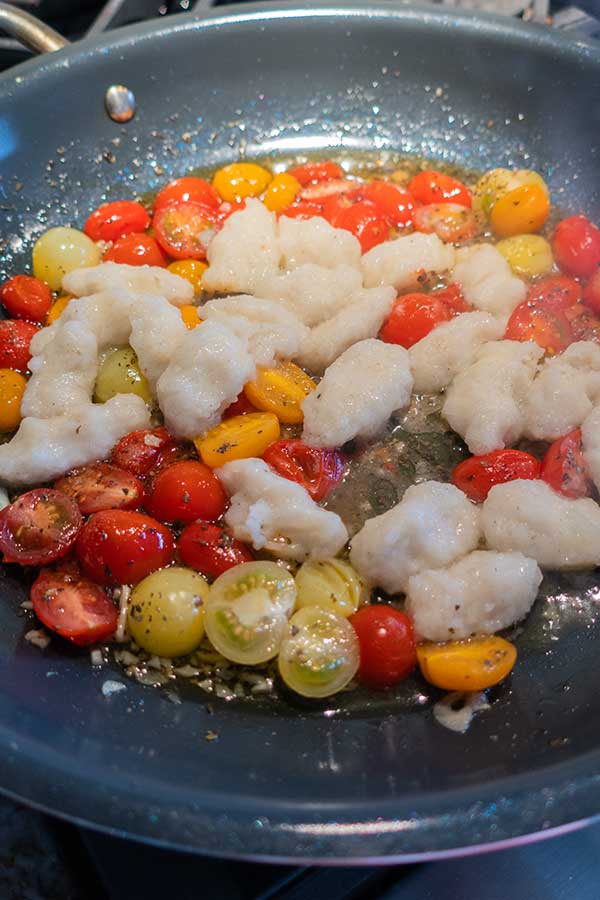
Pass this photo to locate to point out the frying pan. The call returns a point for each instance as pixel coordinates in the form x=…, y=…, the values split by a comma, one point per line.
x=361, y=778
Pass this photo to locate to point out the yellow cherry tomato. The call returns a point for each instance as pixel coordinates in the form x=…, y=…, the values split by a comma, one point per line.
x=240, y=437
x=331, y=584
x=239, y=180
x=166, y=611
x=119, y=373
x=190, y=316
x=521, y=211
x=498, y=182
x=12, y=388
x=471, y=665
x=61, y=250
x=280, y=390
x=57, y=308
x=282, y=191
x=190, y=269
x=528, y=255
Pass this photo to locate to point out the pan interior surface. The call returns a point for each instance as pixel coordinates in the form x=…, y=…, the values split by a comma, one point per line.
x=363, y=777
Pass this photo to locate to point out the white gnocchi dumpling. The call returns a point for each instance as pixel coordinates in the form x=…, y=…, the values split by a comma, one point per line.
x=487, y=280
x=244, y=252
x=111, y=276
x=590, y=434
x=401, y=262
x=314, y=240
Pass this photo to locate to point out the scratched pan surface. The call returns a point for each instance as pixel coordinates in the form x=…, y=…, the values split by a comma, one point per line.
x=368, y=777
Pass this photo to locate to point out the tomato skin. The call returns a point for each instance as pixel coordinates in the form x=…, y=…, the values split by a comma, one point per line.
x=318, y=193
x=226, y=209
x=318, y=470
x=555, y=292
x=136, y=250
x=362, y=219
x=452, y=222
x=564, y=469
x=591, y=293
x=547, y=326
x=239, y=407
x=137, y=452
x=395, y=203
x=387, y=645
x=25, y=297
x=303, y=209
x=211, y=549
x=452, y=297
x=101, y=486
x=477, y=475
x=583, y=323
x=15, y=338
x=73, y=607
x=185, y=189
x=119, y=546
x=412, y=317
x=112, y=221
x=186, y=491
x=316, y=172
x=435, y=187
x=576, y=246
x=39, y=527
x=178, y=227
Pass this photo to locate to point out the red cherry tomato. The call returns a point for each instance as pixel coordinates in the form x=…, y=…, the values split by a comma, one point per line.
x=435, y=187
x=477, y=475
x=112, y=221
x=452, y=222
x=303, y=209
x=25, y=297
x=555, y=292
x=39, y=527
x=564, y=469
x=318, y=470
x=412, y=317
x=136, y=250
x=583, y=323
x=387, y=645
x=73, y=607
x=318, y=193
x=576, y=246
x=239, y=407
x=119, y=546
x=362, y=219
x=226, y=209
x=138, y=451
x=315, y=172
x=395, y=203
x=182, y=190
x=210, y=549
x=591, y=294
x=179, y=226
x=101, y=486
x=186, y=491
x=452, y=298
x=15, y=338
x=546, y=326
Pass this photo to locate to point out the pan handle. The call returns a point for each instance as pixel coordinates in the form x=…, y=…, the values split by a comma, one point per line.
x=29, y=31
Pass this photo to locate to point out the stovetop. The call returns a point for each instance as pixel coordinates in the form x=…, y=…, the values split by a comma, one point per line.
x=43, y=859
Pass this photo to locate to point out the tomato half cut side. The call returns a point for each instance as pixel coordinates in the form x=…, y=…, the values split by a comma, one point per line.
x=452, y=222
x=138, y=451
x=211, y=549
x=549, y=328
x=179, y=228
x=435, y=187
x=112, y=221
x=102, y=486
x=394, y=202
x=555, y=292
x=564, y=469
x=317, y=469
x=316, y=172
x=39, y=527
x=477, y=475
x=73, y=607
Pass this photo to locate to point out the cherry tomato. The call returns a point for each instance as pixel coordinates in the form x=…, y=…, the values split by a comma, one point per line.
x=73, y=607
x=25, y=297
x=477, y=475
x=523, y=210
x=15, y=338
x=318, y=193
x=564, y=469
x=576, y=246
x=546, y=326
x=179, y=226
x=452, y=298
x=394, y=202
x=591, y=294
x=239, y=407
x=303, y=209
x=211, y=549
x=119, y=546
x=138, y=451
x=387, y=645
x=362, y=219
x=170, y=454
x=315, y=172
x=186, y=491
x=39, y=527
x=185, y=189
x=226, y=209
x=435, y=187
x=584, y=325
x=136, y=250
x=318, y=470
x=452, y=222
x=555, y=292
x=101, y=486
x=112, y=221
x=412, y=317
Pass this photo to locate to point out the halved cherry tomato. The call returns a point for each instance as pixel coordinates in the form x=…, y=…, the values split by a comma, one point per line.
x=591, y=294
x=546, y=326
x=394, y=202
x=451, y=222
x=179, y=227
x=171, y=454
x=387, y=645
x=182, y=190
x=138, y=451
x=555, y=292
x=412, y=317
x=452, y=297
x=362, y=219
x=211, y=549
x=185, y=491
x=39, y=527
x=280, y=389
x=101, y=486
x=315, y=172
x=136, y=250
x=472, y=665
x=317, y=469
x=114, y=220
x=583, y=323
x=25, y=297
x=190, y=317
x=477, y=475
x=15, y=338
x=226, y=209
x=318, y=193
x=435, y=187
x=239, y=407
x=576, y=246
x=564, y=469
x=240, y=437
x=304, y=209
x=73, y=607
x=120, y=546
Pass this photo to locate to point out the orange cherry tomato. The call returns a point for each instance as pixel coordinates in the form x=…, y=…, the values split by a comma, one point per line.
x=472, y=665
x=520, y=211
